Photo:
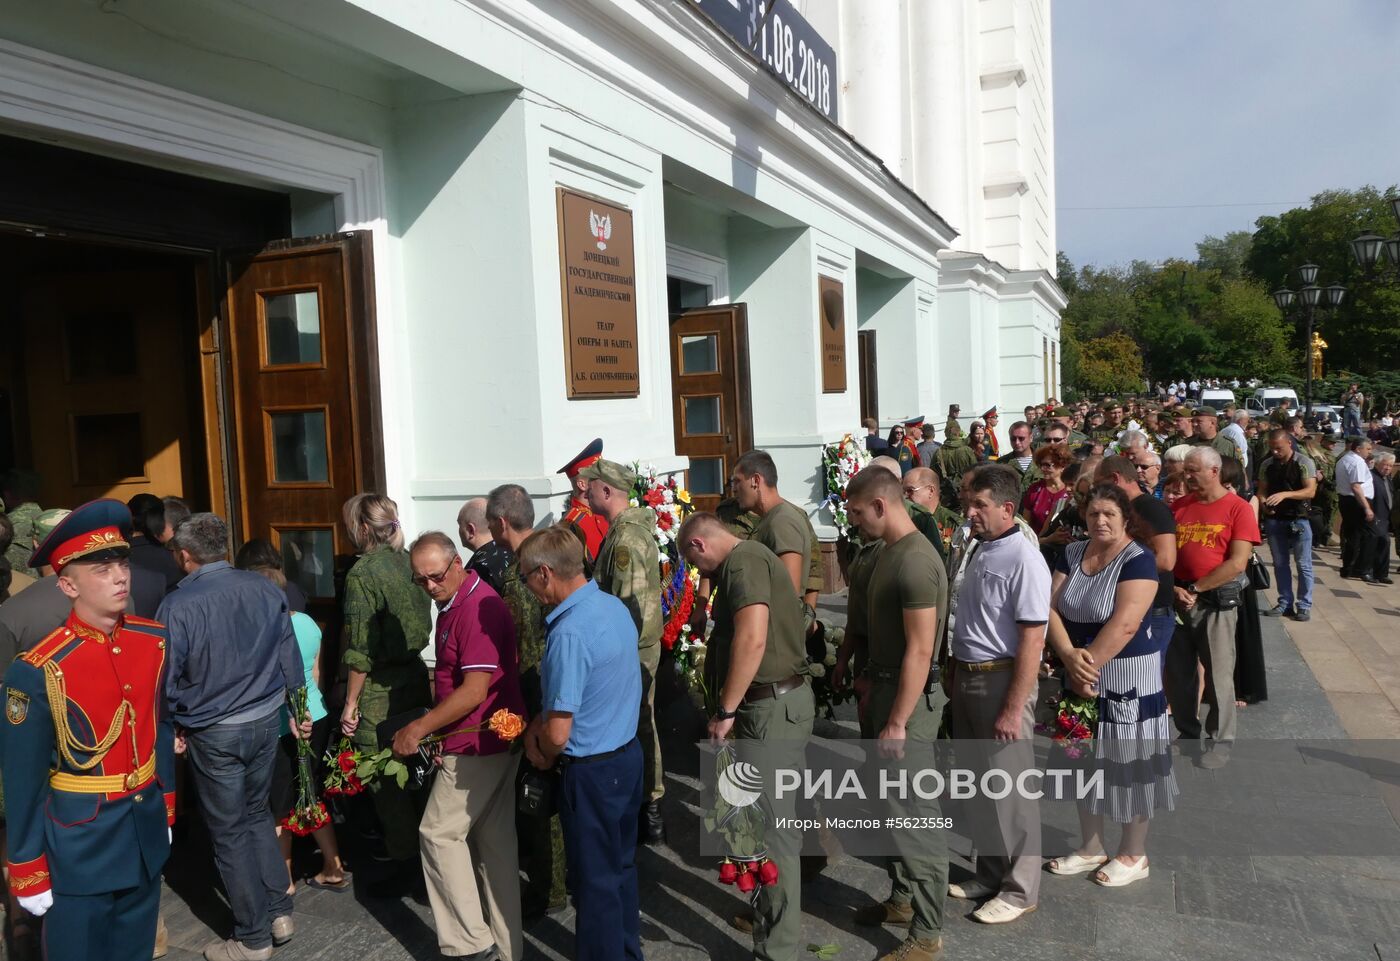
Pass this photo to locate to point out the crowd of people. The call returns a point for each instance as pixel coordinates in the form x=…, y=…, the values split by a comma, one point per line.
x=1110, y=546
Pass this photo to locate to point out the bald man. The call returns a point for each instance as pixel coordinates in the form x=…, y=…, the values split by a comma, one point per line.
x=489, y=558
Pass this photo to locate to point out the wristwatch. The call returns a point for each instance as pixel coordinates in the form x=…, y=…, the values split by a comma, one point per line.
x=1191, y=589
x=722, y=715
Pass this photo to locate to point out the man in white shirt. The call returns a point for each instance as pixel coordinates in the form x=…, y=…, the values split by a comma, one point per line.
x=1355, y=488
x=1235, y=431
x=997, y=642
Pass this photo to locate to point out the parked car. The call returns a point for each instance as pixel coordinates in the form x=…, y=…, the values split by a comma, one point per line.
x=1326, y=418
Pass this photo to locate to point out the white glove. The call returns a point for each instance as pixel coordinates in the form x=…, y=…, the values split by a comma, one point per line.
x=38, y=905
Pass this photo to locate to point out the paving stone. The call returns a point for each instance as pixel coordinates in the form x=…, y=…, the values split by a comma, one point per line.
x=1155, y=936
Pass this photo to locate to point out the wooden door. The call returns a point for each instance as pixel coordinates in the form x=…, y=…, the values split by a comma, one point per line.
x=869, y=381
x=105, y=376
x=710, y=396
x=300, y=332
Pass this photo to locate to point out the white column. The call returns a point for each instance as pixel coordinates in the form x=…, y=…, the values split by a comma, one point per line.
x=873, y=99
x=942, y=105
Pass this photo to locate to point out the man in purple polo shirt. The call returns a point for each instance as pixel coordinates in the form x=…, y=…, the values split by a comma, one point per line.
x=469, y=826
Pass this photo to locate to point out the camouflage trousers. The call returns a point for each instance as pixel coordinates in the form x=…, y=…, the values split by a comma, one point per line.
x=541, y=845
x=398, y=810
x=653, y=774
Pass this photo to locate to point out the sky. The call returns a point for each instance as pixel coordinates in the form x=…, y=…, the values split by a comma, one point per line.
x=1219, y=111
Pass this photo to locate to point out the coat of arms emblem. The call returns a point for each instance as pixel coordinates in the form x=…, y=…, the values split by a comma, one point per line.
x=16, y=706
x=600, y=226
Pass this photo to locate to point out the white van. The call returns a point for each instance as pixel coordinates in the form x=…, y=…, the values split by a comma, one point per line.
x=1265, y=399
x=1217, y=397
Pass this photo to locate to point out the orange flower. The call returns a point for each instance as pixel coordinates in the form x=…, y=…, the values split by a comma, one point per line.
x=505, y=725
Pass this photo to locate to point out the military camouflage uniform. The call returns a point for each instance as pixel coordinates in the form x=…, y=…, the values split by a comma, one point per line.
x=629, y=568
x=22, y=517
x=927, y=525
x=541, y=839
x=955, y=458
x=387, y=625
x=1031, y=475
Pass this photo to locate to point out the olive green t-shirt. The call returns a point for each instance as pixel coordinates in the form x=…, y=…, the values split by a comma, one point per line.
x=786, y=530
x=752, y=574
x=857, y=607
x=908, y=575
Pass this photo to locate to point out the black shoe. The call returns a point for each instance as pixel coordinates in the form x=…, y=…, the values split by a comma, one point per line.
x=1302, y=616
x=651, y=829
x=1278, y=610
x=492, y=953
x=1368, y=579
x=1385, y=580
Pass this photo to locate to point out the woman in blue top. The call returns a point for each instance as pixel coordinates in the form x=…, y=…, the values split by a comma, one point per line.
x=283, y=792
x=1101, y=593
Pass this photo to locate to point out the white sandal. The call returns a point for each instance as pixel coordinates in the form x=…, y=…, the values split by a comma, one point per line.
x=1116, y=874
x=1075, y=864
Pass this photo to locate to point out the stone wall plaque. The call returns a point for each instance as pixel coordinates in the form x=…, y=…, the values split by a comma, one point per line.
x=598, y=274
x=831, y=330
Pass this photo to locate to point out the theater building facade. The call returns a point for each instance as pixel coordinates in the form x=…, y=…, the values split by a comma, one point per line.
x=266, y=255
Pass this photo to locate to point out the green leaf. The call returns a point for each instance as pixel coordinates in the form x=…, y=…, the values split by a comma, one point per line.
x=401, y=775
x=365, y=769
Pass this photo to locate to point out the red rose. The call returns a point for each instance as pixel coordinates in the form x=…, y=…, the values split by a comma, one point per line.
x=768, y=873
x=746, y=882
x=664, y=521
x=728, y=873
x=346, y=762
x=654, y=498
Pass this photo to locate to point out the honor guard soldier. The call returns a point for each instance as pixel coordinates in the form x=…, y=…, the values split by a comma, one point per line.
x=591, y=528
x=88, y=753
x=990, y=419
x=907, y=452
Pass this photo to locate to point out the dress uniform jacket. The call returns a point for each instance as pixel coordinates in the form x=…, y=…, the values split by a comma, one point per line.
x=88, y=760
x=588, y=525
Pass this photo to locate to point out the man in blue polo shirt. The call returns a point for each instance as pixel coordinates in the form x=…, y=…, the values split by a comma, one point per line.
x=592, y=688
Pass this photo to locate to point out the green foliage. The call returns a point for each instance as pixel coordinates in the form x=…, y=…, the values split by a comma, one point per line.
x=1215, y=317
x=1110, y=365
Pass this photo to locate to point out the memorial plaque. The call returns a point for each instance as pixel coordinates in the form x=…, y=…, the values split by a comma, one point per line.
x=831, y=329
x=598, y=272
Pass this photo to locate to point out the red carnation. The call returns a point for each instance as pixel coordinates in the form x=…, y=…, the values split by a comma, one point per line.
x=664, y=521
x=768, y=873
x=654, y=498
x=746, y=882
x=728, y=873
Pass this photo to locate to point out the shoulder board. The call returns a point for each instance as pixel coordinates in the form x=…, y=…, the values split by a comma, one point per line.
x=144, y=625
x=43, y=652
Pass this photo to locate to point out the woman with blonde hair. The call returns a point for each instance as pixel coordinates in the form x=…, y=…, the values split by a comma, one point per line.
x=387, y=625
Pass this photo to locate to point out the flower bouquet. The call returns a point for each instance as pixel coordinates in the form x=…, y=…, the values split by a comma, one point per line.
x=353, y=770
x=308, y=813
x=1074, y=724
x=741, y=825
x=822, y=646
x=841, y=461
x=671, y=503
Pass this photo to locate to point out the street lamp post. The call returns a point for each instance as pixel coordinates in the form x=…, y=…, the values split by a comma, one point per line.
x=1369, y=246
x=1311, y=295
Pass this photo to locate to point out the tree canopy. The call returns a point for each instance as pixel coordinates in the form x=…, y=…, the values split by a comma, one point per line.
x=1215, y=316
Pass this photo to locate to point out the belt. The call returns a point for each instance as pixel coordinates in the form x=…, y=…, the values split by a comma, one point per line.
x=1003, y=664
x=890, y=675
x=103, y=783
x=566, y=759
x=1162, y=611
x=761, y=692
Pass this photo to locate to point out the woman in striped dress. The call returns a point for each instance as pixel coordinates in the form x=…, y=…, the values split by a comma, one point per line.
x=1101, y=593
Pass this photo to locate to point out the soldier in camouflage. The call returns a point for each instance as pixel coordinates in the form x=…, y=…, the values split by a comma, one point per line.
x=510, y=516
x=629, y=568
x=387, y=625
x=20, y=495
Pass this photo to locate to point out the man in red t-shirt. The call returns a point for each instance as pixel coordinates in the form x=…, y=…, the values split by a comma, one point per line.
x=469, y=825
x=1216, y=531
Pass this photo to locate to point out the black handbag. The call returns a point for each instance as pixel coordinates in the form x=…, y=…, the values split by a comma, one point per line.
x=420, y=765
x=1258, y=573
x=535, y=791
